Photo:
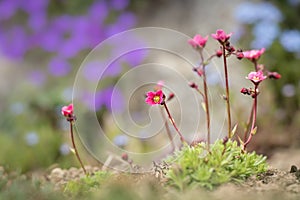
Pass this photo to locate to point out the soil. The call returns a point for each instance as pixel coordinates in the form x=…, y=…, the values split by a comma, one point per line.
x=274, y=184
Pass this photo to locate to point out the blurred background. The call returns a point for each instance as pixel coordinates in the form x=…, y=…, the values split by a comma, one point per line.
x=43, y=43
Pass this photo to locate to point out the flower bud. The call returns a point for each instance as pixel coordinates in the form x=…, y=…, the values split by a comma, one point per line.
x=239, y=55
x=171, y=96
x=200, y=72
x=230, y=49
x=193, y=85
x=245, y=91
x=219, y=53
x=274, y=75
x=124, y=156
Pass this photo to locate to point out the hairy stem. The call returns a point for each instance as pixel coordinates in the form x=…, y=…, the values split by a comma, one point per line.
x=75, y=149
x=227, y=91
x=173, y=122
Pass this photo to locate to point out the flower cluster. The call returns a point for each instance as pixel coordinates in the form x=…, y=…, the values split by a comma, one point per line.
x=226, y=50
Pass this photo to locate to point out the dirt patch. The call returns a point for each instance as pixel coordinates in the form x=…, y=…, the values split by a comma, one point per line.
x=274, y=184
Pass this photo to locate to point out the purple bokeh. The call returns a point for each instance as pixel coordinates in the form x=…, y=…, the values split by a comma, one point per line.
x=110, y=97
x=93, y=70
x=8, y=9
x=119, y=4
x=37, y=77
x=64, y=35
x=59, y=67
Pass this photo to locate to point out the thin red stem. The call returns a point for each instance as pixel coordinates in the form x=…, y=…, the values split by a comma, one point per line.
x=205, y=97
x=167, y=129
x=75, y=149
x=253, y=118
x=201, y=93
x=248, y=123
x=227, y=91
x=173, y=122
x=206, y=107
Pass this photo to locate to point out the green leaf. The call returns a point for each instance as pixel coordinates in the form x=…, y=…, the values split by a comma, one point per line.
x=233, y=131
x=253, y=131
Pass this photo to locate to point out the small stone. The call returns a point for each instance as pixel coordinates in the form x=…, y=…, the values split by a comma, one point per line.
x=56, y=175
x=297, y=174
x=293, y=169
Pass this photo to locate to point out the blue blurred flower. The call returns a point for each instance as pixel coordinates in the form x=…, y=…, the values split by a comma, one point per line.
x=67, y=94
x=267, y=11
x=290, y=40
x=64, y=149
x=288, y=90
x=294, y=2
x=31, y=138
x=250, y=12
x=17, y=108
x=121, y=140
x=265, y=32
x=245, y=13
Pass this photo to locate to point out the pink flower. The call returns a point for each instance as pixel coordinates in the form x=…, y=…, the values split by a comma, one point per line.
x=221, y=36
x=67, y=111
x=253, y=54
x=154, y=97
x=256, y=77
x=198, y=41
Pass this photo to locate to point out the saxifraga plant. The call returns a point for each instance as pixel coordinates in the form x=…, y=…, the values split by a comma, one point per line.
x=205, y=164
x=194, y=166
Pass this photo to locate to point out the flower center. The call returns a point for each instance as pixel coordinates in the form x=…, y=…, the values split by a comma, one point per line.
x=156, y=99
x=256, y=78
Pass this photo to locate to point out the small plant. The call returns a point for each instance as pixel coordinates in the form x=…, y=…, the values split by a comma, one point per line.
x=86, y=184
x=194, y=166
